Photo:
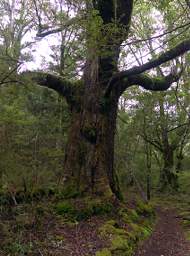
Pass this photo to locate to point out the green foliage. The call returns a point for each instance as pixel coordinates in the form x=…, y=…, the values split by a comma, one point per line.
x=33, y=124
x=184, y=178
x=65, y=208
x=94, y=25
x=83, y=209
x=120, y=246
x=145, y=209
x=129, y=215
x=17, y=248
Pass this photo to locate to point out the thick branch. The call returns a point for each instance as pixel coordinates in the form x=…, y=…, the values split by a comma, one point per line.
x=164, y=57
x=56, y=83
x=150, y=83
x=145, y=81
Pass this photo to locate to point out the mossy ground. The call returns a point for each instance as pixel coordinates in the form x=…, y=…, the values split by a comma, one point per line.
x=86, y=226
x=124, y=232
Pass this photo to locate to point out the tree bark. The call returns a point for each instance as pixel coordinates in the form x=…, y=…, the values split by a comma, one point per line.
x=168, y=177
x=89, y=161
x=179, y=164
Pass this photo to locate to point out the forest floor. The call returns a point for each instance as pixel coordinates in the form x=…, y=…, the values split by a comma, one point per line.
x=42, y=229
x=65, y=228
x=168, y=237
x=35, y=230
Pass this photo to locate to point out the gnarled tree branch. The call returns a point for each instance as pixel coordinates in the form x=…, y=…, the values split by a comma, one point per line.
x=43, y=32
x=180, y=49
x=145, y=81
x=56, y=83
x=149, y=83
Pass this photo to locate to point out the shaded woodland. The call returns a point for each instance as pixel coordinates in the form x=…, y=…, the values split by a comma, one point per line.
x=94, y=127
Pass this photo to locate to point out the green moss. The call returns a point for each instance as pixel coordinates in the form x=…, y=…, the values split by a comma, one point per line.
x=186, y=223
x=140, y=231
x=129, y=215
x=120, y=243
x=59, y=238
x=111, y=227
x=185, y=214
x=144, y=209
x=134, y=215
x=104, y=252
x=187, y=235
x=94, y=207
x=124, y=239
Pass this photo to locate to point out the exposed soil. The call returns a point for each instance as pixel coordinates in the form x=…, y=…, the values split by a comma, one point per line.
x=81, y=239
x=167, y=239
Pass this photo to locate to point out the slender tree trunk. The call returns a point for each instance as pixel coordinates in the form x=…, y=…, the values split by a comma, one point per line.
x=168, y=177
x=148, y=188
x=179, y=164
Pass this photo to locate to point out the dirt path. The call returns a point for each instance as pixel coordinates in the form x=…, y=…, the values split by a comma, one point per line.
x=167, y=239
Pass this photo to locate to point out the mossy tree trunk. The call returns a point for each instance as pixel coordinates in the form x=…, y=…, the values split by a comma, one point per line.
x=89, y=160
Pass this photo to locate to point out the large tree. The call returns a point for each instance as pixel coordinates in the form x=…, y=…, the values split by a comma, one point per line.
x=93, y=100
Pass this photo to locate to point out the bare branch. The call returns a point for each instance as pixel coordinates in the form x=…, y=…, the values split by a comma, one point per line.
x=154, y=143
x=179, y=126
x=43, y=33
x=9, y=74
x=157, y=36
